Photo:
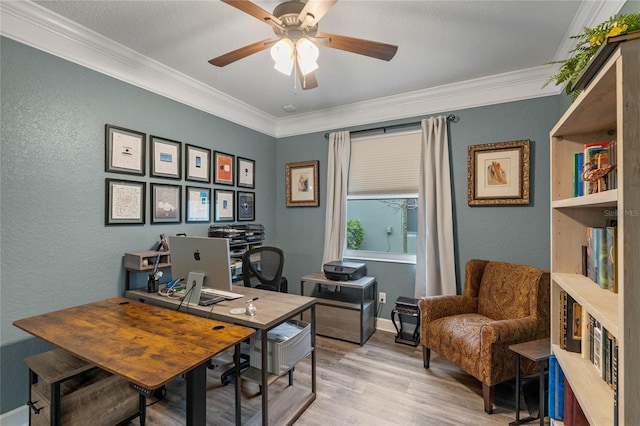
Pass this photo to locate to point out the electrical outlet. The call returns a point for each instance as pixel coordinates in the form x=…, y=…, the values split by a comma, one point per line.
x=389, y=229
x=382, y=297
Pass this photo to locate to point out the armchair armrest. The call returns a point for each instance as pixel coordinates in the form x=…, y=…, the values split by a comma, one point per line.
x=511, y=331
x=434, y=307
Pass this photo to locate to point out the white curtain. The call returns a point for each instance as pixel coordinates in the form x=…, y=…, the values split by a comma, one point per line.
x=335, y=226
x=435, y=264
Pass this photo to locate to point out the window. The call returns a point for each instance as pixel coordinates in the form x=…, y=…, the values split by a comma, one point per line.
x=382, y=197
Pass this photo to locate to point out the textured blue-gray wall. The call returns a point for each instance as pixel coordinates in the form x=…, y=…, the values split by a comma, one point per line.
x=56, y=251
x=514, y=234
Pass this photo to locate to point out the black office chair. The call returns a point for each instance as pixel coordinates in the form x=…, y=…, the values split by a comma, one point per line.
x=261, y=268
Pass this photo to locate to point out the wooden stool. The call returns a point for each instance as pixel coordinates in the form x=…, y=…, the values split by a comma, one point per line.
x=69, y=382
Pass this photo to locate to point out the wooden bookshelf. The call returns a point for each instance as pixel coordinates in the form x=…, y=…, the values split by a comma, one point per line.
x=607, y=109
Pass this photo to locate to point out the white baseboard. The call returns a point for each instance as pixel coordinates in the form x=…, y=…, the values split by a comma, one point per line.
x=17, y=417
x=384, y=324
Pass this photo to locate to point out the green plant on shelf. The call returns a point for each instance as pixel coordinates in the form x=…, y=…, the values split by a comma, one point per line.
x=587, y=45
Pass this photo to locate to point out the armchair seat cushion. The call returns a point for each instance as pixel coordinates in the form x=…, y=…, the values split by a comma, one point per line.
x=457, y=338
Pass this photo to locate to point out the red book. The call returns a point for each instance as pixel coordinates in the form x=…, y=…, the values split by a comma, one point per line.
x=573, y=414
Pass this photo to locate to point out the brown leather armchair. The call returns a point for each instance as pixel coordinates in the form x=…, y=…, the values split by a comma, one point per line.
x=502, y=304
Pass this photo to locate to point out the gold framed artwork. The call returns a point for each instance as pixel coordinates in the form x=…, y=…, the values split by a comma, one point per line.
x=498, y=173
x=302, y=184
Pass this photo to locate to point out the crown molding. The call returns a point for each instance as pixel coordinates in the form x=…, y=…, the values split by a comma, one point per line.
x=35, y=26
x=496, y=89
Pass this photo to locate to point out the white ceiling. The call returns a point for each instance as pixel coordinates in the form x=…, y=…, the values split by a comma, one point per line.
x=451, y=54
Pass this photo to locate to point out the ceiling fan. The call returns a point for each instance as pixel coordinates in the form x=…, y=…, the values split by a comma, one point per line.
x=296, y=25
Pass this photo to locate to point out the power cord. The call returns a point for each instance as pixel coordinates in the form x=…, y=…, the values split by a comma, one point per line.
x=187, y=294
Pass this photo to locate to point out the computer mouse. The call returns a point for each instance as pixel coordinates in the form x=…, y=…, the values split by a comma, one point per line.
x=218, y=327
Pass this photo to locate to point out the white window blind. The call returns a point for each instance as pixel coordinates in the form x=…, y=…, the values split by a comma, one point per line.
x=385, y=164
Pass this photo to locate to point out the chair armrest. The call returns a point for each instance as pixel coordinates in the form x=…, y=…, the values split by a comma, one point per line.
x=511, y=331
x=434, y=307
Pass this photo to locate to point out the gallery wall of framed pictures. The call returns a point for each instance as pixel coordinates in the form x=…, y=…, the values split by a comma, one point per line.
x=183, y=181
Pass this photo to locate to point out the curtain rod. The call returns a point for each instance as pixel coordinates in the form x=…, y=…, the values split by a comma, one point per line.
x=384, y=129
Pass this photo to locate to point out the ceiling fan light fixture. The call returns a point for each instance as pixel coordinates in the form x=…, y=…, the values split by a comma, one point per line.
x=307, y=53
x=283, y=55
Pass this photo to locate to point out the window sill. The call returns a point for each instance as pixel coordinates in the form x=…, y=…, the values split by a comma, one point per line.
x=376, y=256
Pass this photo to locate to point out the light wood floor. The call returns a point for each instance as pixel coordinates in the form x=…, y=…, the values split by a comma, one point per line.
x=380, y=383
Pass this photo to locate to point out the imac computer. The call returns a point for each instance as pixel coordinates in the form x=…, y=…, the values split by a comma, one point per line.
x=202, y=255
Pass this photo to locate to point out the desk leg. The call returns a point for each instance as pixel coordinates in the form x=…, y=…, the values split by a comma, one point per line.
x=313, y=345
x=197, y=396
x=265, y=387
x=55, y=404
x=236, y=358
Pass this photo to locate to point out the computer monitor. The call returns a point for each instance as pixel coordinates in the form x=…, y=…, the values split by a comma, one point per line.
x=206, y=255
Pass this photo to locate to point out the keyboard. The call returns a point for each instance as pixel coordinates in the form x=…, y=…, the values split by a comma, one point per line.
x=226, y=294
x=209, y=299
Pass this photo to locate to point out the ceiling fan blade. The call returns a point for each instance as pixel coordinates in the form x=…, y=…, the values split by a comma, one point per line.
x=308, y=81
x=254, y=10
x=316, y=9
x=243, y=52
x=370, y=48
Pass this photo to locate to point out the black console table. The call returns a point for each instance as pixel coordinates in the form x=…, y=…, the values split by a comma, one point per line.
x=406, y=306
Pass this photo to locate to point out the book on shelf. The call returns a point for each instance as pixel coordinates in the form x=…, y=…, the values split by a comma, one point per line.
x=586, y=335
x=614, y=380
x=573, y=414
x=591, y=153
x=612, y=265
x=555, y=402
x=612, y=177
x=597, y=256
x=563, y=320
x=573, y=315
x=602, y=161
x=597, y=346
x=608, y=359
x=578, y=183
x=571, y=328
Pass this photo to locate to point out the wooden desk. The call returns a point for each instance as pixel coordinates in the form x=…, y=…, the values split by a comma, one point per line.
x=147, y=345
x=273, y=309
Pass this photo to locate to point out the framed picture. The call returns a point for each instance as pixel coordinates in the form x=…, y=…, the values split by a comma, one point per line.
x=246, y=173
x=198, y=204
x=166, y=158
x=197, y=164
x=498, y=173
x=223, y=168
x=246, y=205
x=224, y=205
x=124, y=150
x=166, y=203
x=302, y=184
x=124, y=202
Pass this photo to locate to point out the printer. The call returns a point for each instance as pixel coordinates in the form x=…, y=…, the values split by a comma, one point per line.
x=344, y=271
